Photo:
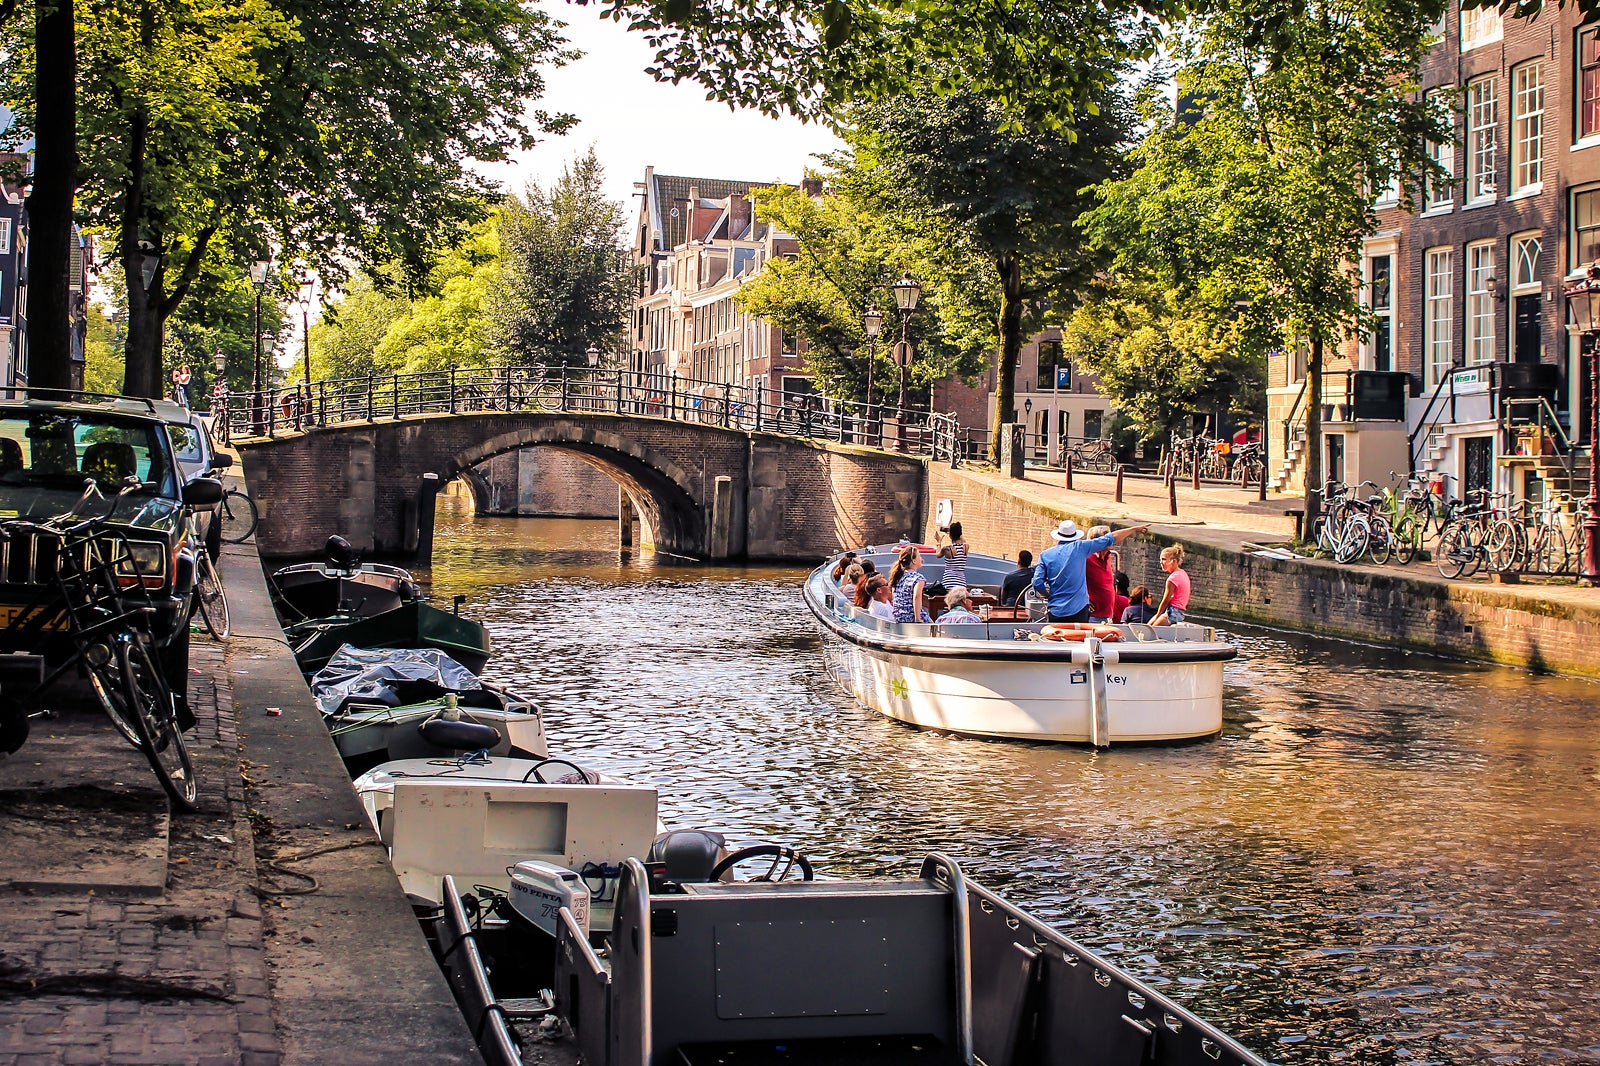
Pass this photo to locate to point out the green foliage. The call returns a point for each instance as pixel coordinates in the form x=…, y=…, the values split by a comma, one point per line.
x=566, y=281
x=1159, y=355
x=848, y=257
x=102, y=352
x=345, y=342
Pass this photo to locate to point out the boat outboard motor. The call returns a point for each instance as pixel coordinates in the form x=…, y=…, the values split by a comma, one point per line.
x=688, y=854
x=340, y=554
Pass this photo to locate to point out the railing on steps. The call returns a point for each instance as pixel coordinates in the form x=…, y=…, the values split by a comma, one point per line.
x=1546, y=420
x=586, y=390
x=1425, y=429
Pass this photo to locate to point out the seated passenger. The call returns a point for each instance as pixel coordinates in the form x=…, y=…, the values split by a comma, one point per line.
x=1139, y=610
x=1121, y=603
x=958, y=607
x=1018, y=580
x=843, y=564
x=852, y=578
x=880, y=597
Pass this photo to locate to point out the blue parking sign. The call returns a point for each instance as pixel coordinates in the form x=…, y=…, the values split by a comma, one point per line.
x=1063, y=377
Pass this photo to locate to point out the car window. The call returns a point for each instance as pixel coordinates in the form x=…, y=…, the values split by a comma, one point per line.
x=185, y=443
x=63, y=447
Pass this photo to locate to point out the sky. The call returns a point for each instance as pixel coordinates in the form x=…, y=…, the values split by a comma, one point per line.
x=635, y=121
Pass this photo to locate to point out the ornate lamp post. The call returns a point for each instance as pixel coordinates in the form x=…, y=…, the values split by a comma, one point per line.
x=258, y=277
x=872, y=322
x=906, y=291
x=1583, y=300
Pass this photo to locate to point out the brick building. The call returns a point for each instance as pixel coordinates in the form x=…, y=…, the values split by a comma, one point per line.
x=1471, y=372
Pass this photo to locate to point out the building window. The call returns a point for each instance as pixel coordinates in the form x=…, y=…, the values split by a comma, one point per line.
x=1527, y=125
x=1479, y=26
x=1588, y=82
x=1525, y=262
x=1482, y=119
x=1438, y=192
x=1441, y=312
x=1480, y=304
x=5, y=236
x=1585, y=228
x=1380, y=280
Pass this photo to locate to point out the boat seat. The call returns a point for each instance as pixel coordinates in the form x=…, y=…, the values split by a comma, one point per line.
x=689, y=854
x=741, y=967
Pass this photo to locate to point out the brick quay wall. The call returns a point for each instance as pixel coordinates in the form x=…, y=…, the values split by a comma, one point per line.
x=1540, y=628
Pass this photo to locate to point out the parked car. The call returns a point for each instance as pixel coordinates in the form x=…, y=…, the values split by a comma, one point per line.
x=48, y=450
x=197, y=456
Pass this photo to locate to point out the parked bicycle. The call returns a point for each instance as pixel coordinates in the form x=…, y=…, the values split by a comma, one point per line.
x=1461, y=543
x=100, y=596
x=1093, y=455
x=1249, y=464
x=238, y=515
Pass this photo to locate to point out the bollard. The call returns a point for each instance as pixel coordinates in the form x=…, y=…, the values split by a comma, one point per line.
x=1068, y=466
x=1194, y=477
x=1261, y=484
x=1172, y=497
x=1118, y=497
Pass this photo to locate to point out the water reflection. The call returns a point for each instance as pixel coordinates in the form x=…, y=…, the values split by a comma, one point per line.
x=1385, y=858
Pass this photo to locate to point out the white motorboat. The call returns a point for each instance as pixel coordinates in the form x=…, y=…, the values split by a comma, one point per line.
x=1126, y=684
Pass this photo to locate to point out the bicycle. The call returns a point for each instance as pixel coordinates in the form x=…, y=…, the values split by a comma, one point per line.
x=238, y=516
x=1547, y=544
x=101, y=599
x=1418, y=514
x=1093, y=455
x=1460, y=552
x=1248, y=465
x=209, y=599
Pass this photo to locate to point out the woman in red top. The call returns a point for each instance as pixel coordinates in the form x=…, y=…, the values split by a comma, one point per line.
x=1099, y=580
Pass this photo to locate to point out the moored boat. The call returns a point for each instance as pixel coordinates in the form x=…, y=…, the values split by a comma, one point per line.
x=1125, y=684
x=411, y=625
x=340, y=585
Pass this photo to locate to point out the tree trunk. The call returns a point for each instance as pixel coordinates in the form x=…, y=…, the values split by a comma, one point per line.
x=50, y=202
x=1313, y=476
x=141, y=368
x=1005, y=371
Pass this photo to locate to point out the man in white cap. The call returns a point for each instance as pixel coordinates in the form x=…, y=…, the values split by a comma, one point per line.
x=1059, y=574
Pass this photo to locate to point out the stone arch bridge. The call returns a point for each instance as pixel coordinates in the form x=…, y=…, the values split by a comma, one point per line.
x=700, y=491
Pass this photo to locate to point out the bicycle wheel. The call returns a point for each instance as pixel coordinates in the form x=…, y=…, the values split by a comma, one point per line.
x=1551, y=557
x=546, y=397
x=238, y=516
x=1353, y=540
x=147, y=693
x=1501, y=545
x=210, y=599
x=107, y=686
x=1408, y=539
x=1380, y=545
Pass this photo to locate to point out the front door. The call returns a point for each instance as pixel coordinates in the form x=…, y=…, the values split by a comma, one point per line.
x=1525, y=342
x=1335, y=466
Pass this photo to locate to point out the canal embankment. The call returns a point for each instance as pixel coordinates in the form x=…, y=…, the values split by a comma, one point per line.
x=1540, y=627
x=264, y=928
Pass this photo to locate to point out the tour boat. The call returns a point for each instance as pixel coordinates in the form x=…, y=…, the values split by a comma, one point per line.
x=1123, y=684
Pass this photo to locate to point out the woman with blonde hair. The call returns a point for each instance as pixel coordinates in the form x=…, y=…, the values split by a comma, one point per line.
x=906, y=581
x=852, y=578
x=1175, y=599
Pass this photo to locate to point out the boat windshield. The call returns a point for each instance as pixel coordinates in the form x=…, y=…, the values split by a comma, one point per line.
x=47, y=456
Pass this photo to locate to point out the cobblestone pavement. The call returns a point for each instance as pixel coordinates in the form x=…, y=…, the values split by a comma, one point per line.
x=105, y=965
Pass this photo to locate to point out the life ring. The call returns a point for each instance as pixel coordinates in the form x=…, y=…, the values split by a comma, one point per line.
x=1077, y=631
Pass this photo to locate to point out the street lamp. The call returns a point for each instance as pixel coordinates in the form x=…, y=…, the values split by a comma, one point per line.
x=1583, y=300
x=594, y=356
x=906, y=291
x=872, y=322
x=149, y=262
x=258, y=278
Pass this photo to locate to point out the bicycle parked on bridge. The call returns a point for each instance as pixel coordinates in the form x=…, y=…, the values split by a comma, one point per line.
x=1093, y=455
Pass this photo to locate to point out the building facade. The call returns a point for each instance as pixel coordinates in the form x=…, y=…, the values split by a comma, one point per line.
x=1470, y=374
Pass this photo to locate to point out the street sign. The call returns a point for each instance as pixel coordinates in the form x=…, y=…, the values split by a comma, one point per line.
x=1064, y=377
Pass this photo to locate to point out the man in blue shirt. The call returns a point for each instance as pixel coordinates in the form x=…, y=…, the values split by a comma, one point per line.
x=1059, y=573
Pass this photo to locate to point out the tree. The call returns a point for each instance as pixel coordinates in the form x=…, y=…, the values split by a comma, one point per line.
x=1264, y=188
x=567, y=283
x=344, y=342
x=1016, y=193
x=847, y=260
x=1158, y=355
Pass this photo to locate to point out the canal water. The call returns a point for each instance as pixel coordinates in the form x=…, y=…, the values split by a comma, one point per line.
x=1385, y=857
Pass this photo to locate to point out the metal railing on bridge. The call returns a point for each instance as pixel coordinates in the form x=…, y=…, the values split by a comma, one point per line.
x=582, y=390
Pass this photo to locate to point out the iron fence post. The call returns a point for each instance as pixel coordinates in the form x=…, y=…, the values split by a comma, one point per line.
x=619, y=390
x=760, y=395
x=672, y=396
x=452, y=388
x=566, y=396
x=371, y=385
x=397, y=397
x=272, y=410
x=506, y=375
x=322, y=403
x=727, y=404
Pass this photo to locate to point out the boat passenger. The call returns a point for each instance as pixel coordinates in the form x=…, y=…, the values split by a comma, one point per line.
x=852, y=577
x=1060, y=573
x=869, y=567
x=1139, y=610
x=958, y=607
x=1097, y=574
x=880, y=598
x=843, y=564
x=1123, y=597
x=906, y=582
x=1018, y=580
x=1175, y=599
x=955, y=570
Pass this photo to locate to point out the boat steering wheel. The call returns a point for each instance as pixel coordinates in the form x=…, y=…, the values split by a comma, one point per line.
x=778, y=852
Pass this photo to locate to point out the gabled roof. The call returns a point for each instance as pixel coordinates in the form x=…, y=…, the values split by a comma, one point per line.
x=668, y=192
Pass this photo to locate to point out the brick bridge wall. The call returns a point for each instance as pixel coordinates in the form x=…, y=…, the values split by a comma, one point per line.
x=784, y=498
x=1500, y=623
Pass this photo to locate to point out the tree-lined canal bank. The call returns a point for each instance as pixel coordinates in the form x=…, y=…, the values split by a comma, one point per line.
x=1384, y=857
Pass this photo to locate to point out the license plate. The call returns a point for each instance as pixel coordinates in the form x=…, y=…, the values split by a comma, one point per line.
x=9, y=613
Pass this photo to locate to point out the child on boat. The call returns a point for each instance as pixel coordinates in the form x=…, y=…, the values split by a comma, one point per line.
x=1175, y=599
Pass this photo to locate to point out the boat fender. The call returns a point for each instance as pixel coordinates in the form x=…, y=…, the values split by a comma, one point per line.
x=460, y=735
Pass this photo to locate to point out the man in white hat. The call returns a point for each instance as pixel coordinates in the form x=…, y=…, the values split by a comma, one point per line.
x=1059, y=574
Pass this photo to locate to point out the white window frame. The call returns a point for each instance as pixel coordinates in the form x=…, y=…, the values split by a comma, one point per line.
x=1524, y=267
x=1440, y=195
x=5, y=236
x=1483, y=130
x=1480, y=26
x=1439, y=315
x=1384, y=316
x=1576, y=262
x=1480, y=338
x=1527, y=127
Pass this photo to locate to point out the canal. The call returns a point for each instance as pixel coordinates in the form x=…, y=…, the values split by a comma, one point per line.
x=1385, y=857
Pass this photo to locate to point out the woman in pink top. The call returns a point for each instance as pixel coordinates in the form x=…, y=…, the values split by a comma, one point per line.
x=1175, y=600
